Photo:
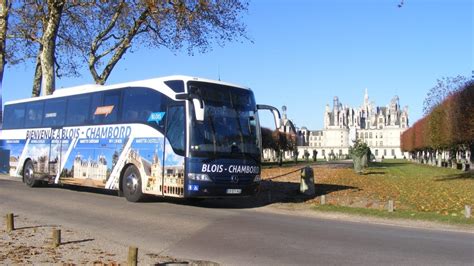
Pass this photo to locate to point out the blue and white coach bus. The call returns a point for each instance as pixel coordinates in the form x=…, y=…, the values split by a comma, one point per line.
x=175, y=136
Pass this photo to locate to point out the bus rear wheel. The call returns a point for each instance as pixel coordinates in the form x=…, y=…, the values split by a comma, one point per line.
x=132, y=184
x=28, y=175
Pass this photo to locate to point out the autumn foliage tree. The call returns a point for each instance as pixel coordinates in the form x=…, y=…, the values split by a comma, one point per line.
x=448, y=126
x=278, y=141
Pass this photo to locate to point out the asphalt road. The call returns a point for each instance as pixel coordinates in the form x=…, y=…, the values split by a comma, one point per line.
x=231, y=234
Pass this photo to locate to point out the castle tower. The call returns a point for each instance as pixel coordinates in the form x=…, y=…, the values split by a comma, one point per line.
x=335, y=110
x=366, y=97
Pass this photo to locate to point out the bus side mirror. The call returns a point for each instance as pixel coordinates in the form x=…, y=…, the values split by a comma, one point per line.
x=276, y=113
x=198, y=103
x=199, y=109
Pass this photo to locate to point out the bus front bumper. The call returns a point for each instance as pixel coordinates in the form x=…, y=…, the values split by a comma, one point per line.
x=211, y=190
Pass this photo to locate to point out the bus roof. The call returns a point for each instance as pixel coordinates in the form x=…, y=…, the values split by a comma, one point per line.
x=154, y=83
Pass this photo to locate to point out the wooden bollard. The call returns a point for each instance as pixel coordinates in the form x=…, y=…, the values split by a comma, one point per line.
x=10, y=222
x=390, y=206
x=132, y=256
x=467, y=211
x=56, y=238
x=323, y=199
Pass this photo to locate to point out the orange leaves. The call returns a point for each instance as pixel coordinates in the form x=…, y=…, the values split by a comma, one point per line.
x=449, y=124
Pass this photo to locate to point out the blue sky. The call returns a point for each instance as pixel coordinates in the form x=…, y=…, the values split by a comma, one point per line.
x=305, y=52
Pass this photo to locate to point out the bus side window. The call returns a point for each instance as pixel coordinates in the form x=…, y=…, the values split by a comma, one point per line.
x=96, y=101
x=133, y=102
x=139, y=104
x=14, y=116
x=34, y=114
x=77, y=110
x=112, y=98
x=54, y=112
x=105, y=107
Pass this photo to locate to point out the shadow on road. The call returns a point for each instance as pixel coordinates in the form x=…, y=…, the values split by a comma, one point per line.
x=271, y=191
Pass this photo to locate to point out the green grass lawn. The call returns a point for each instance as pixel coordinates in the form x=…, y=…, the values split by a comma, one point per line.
x=419, y=191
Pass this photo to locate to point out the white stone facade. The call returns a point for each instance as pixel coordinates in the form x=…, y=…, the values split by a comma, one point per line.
x=379, y=127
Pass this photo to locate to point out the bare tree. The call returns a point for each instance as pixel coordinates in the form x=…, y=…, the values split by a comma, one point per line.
x=59, y=34
x=35, y=33
x=124, y=25
x=444, y=87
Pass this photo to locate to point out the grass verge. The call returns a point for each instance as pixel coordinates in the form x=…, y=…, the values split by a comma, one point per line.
x=420, y=192
x=398, y=214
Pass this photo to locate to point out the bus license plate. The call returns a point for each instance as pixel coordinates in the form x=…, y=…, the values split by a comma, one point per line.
x=234, y=191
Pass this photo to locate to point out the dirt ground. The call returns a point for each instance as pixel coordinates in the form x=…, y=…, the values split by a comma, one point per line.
x=31, y=243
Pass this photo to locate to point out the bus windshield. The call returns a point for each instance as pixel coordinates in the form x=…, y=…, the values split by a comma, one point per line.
x=229, y=129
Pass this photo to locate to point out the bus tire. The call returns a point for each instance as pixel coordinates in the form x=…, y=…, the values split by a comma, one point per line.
x=29, y=176
x=132, y=184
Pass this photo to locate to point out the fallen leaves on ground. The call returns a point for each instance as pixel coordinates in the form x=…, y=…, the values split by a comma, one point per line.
x=412, y=186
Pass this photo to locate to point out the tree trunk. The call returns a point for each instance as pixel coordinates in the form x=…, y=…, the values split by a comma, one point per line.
x=4, y=7
x=280, y=157
x=37, y=79
x=48, y=41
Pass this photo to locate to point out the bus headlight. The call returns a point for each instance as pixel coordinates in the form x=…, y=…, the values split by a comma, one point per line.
x=199, y=177
x=257, y=178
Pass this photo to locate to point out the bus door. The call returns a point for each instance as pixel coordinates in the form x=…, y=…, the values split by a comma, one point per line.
x=55, y=154
x=54, y=118
x=173, y=152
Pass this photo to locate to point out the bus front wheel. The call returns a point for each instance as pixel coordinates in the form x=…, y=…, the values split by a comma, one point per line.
x=132, y=184
x=28, y=175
